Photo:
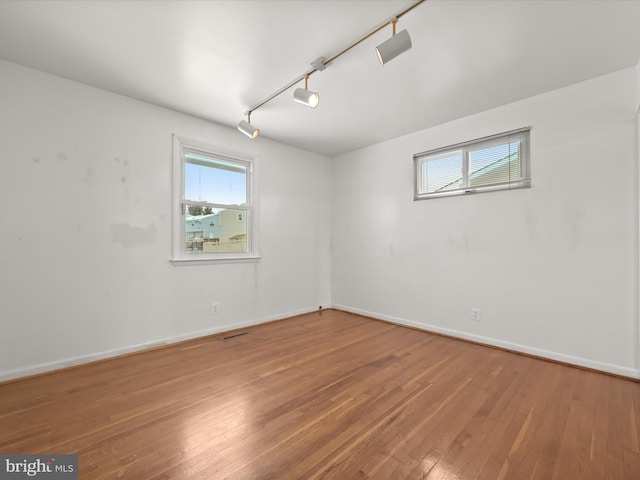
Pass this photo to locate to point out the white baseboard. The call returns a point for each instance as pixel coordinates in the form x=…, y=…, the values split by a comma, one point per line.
x=73, y=361
x=560, y=357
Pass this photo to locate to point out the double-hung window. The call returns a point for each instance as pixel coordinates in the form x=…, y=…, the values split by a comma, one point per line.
x=213, y=204
x=498, y=162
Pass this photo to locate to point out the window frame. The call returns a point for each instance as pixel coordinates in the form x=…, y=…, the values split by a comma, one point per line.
x=181, y=147
x=524, y=181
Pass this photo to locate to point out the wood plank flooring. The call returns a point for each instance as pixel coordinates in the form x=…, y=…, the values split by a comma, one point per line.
x=329, y=395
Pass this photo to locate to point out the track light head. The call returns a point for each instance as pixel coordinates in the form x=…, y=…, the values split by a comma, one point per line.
x=248, y=129
x=306, y=96
x=391, y=48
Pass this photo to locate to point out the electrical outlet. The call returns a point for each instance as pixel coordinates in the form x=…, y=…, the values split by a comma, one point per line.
x=475, y=314
x=215, y=308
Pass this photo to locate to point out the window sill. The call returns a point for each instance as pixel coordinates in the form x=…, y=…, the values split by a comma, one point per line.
x=498, y=187
x=182, y=262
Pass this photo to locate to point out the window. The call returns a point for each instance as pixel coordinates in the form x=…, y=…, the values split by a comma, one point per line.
x=214, y=216
x=499, y=162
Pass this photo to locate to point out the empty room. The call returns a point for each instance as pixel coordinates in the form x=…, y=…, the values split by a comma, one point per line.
x=320, y=239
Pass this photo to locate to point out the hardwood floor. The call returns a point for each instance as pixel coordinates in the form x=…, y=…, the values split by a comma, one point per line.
x=328, y=395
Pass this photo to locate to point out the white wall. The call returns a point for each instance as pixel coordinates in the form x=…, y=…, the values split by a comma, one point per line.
x=552, y=268
x=638, y=215
x=638, y=86
x=85, y=236
x=85, y=202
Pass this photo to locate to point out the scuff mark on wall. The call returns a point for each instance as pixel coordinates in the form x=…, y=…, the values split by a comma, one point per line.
x=573, y=220
x=131, y=236
x=458, y=242
x=531, y=224
x=89, y=176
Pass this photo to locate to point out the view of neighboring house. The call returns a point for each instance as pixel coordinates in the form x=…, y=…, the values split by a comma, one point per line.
x=203, y=226
x=222, y=231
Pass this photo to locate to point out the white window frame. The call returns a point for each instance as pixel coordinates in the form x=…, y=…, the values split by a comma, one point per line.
x=419, y=159
x=181, y=146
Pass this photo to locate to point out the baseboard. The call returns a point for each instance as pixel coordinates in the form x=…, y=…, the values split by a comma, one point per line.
x=82, y=359
x=515, y=347
x=536, y=352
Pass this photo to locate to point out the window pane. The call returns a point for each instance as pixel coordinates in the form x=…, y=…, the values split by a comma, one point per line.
x=442, y=172
x=215, y=230
x=214, y=181
x=495, y=164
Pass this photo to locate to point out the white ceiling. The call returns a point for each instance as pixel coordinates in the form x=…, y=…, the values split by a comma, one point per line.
x=215, y=59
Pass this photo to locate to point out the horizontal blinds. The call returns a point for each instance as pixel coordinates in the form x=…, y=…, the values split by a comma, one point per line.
x=443, y=172
x=497, y=161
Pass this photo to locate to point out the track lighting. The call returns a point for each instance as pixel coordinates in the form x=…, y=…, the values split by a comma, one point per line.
x=394, y=46
x=248, y=129
x=386, y=51
x=306, y=96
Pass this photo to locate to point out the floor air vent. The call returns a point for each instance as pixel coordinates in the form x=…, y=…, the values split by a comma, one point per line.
x=235, y=335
